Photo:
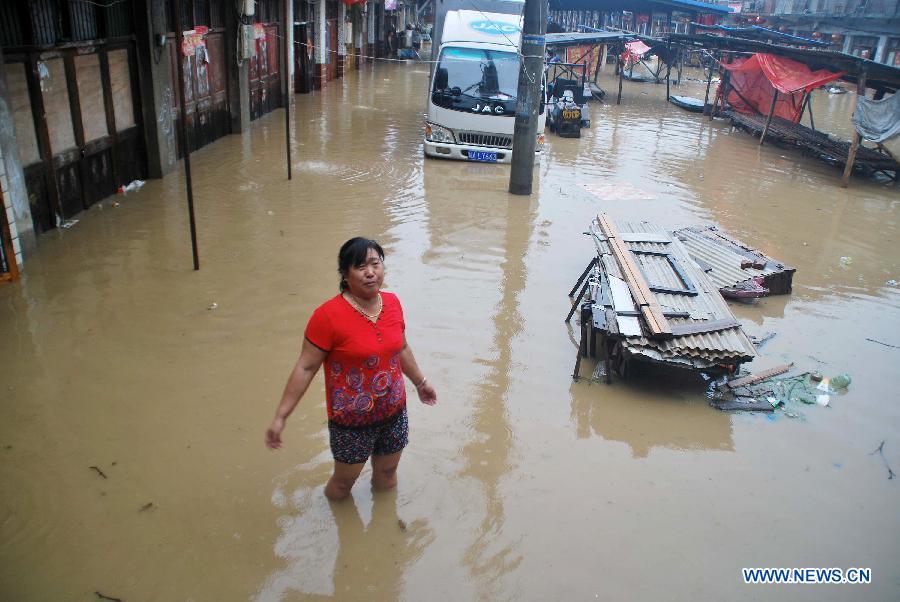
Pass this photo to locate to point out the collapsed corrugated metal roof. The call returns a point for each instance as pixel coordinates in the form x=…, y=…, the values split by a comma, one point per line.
x=702, y=332
x=737, y=269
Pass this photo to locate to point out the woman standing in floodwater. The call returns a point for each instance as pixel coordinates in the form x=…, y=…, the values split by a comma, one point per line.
x=360, y=335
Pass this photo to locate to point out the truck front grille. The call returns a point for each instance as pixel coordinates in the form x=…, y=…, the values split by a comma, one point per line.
x=480, y=139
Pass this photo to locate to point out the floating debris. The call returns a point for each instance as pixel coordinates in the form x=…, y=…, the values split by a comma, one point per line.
x=212, y=306
x=98, y=471
x=402, y=524
x=883, y=343
x=880, y=451
x=146, y=507
x=105, y=597
x=758, y=343
x=735, y=405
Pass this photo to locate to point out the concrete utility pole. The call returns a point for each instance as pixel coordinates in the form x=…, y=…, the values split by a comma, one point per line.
x=528, y=96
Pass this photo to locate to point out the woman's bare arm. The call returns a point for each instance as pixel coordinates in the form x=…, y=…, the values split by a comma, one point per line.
x=410, y=367
x=311, y=357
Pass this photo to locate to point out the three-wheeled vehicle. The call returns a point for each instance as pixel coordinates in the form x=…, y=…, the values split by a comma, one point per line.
x=567, y=88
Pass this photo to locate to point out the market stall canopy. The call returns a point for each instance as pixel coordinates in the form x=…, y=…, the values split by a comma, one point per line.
x=635, y=50
x=878, y=75
x=786, y=75
x=754, y=81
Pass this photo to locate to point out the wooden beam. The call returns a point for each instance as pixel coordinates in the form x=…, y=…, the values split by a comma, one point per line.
x=646, y=301
x=762, y=136
x=755, y=378
x=857, y=139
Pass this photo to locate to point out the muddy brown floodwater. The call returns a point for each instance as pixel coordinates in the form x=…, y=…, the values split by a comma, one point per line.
x=519, y=484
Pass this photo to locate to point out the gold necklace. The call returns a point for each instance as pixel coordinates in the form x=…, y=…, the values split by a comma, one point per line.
x=359, y=308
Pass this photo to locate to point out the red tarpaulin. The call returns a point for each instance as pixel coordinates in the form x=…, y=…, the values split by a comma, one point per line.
x=753, y=81
x=634, y=51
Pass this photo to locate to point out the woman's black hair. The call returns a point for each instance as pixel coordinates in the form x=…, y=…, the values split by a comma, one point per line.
x=354, y=253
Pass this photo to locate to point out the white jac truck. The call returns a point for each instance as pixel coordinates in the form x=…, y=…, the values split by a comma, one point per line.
x=474, y=81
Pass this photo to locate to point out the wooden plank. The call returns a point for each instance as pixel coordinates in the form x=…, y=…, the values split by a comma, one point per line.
x=657, y=324
x=633, y=276
x=755, y=378
x=680, y=330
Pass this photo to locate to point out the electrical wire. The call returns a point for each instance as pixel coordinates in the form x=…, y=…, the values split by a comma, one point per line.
x=108, y=4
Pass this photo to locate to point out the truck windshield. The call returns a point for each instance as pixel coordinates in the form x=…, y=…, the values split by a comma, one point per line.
x=473, y=79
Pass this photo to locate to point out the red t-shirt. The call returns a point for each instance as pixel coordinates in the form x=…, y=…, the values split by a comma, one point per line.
x=363, y=381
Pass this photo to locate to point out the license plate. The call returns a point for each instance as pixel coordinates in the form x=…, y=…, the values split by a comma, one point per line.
x=483, y=156
x=571, y=114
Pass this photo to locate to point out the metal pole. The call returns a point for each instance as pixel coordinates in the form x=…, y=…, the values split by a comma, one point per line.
x=287, y=88
x=528, y=97
x=182, y=136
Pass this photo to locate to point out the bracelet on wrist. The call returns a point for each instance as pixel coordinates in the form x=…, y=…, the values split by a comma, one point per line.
x=422, y=384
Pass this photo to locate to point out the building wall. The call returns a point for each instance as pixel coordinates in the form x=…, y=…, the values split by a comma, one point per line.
x=10, y=214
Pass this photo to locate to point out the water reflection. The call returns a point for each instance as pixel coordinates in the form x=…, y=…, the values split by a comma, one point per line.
x=663, y=409
x=355, y=549
x=488, y=233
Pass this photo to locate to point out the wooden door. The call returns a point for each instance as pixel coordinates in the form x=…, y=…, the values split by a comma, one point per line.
x=205, y=91
x=264, y=73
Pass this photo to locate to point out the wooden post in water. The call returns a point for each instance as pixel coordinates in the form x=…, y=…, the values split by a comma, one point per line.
x=182, y=136
x=286, y=75
x=668, y=66
x=857, y=139
x=769, y=118
x=807, y=104
x=707, y=111
x=621, y=64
